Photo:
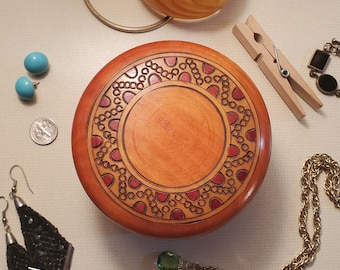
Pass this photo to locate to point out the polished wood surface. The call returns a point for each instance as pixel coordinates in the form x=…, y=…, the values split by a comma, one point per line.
x=168, y=132
x=171, y=139
x=186, y=9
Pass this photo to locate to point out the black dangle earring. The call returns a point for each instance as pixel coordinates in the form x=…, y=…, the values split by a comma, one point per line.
x=46, y=248
x=17, y=258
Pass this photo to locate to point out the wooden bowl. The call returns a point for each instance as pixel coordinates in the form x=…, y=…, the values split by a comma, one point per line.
x=171, y=139
x=186, y=9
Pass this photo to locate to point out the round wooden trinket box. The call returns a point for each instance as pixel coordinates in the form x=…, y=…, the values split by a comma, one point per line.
x=171, y=139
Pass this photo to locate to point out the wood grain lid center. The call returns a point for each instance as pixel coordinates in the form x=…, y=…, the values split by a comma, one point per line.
x=173, y=136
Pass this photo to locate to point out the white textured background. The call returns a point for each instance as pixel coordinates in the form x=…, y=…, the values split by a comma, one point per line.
x=264, y=235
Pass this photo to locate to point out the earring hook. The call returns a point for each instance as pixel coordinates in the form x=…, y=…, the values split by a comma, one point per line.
x=15, y=182
x=6, y=208
x=4, y=218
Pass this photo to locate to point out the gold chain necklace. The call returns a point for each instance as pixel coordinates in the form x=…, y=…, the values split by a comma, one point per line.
x=311, y=170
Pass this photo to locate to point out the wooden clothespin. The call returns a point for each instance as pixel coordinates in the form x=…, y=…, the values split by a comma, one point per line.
x=282, y=75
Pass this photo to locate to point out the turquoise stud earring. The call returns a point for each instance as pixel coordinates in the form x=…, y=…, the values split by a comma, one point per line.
x=36, y=63
x=25, y=88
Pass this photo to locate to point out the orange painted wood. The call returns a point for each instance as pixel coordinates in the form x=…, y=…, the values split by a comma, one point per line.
x=171, y=139
x=168, y=132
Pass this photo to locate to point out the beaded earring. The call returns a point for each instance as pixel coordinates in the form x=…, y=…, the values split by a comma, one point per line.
x=17, y=258
x=46, y=247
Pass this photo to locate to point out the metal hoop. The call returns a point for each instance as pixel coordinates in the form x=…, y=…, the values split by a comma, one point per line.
x=126, y=29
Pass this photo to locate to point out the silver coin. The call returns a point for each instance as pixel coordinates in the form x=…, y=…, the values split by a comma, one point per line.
x=43, y=131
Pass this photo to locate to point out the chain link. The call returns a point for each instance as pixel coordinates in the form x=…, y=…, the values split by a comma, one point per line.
x=311, y=171
x=332, y=48
x=310, y=199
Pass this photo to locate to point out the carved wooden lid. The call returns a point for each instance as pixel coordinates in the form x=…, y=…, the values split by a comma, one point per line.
x=171, y=139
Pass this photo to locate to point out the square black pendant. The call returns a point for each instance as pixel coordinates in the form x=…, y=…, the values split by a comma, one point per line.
x=319, y=61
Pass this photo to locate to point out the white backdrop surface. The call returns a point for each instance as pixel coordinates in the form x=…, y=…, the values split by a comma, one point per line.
x=265, y=234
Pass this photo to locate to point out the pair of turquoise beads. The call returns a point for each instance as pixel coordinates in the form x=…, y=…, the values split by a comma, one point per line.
x=36, y=63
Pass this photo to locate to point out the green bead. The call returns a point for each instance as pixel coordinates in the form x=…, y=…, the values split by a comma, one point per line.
x=168, y=261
